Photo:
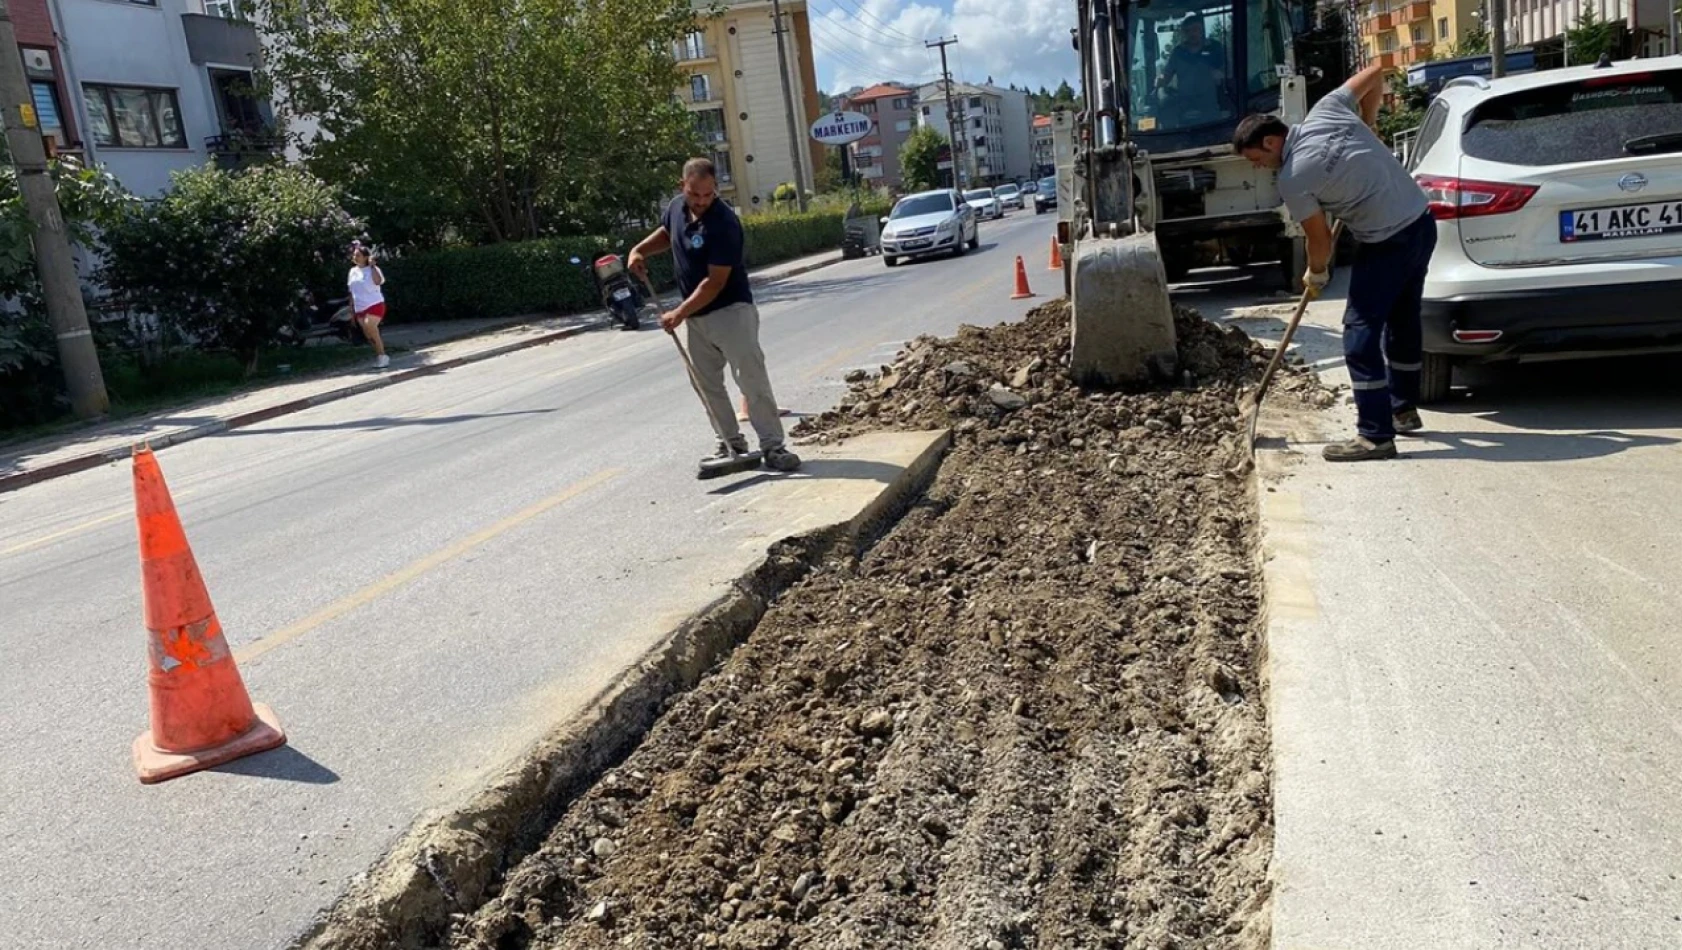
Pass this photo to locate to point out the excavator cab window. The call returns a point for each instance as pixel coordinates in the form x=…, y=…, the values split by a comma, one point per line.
x=1202, y=64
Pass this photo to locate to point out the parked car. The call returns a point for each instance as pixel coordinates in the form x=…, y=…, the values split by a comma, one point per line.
x=1558, y=197
x=985, y=203
x=929, y=222
x=1045, y=196
x=1010, y=196
x=1030, y=187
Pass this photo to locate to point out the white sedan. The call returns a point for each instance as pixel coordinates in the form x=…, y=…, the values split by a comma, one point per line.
x=1010, y=196
x=985, y=203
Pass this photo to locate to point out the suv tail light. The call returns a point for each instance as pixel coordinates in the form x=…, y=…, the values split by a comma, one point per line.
x=1451, y=198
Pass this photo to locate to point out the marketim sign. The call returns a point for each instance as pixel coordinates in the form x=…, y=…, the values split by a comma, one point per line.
x=842, y=128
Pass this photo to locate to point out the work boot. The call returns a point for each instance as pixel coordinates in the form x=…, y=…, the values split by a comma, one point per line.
x=1360, y=449
x=780, y=459
x=1407, y=422
x=739, y=443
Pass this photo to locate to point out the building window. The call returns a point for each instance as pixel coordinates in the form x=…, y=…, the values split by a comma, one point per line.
x=721, y=164
x=903, y=125
x=130, y=117
x=1418, y=34
x=226, y=9
x=925, y=110
x=868, y=108
x=900, y=105
x=692, y=46
x=709, y=125
x=975, y=102
x=700, y=90
x=864, y=160
x=45, y=95
x=1442, y=28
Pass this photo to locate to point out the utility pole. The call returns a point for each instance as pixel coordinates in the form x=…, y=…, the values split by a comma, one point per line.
x=1497, y=38
x=795, y=139
x=63, y=292
x=951, y=115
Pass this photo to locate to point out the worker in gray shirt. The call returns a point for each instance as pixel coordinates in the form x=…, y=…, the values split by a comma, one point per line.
x=1333, y=166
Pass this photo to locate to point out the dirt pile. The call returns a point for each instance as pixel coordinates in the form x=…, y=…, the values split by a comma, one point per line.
x=1028, y=717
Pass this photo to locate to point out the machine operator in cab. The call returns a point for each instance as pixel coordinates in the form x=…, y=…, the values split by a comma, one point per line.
x=1196, y=68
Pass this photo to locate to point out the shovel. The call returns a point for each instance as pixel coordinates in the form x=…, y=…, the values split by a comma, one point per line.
x=735, y=462
x=1250, y=405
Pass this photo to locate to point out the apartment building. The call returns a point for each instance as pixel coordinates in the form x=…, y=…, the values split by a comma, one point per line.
x=995, y=129
x=893, y=108
x=160, y=85
x=1651, y=27
x=1045, y=152
x=735, y=94
x=1400, y=34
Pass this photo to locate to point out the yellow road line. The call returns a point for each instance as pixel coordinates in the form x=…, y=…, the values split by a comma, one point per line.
x=436, y=559
x=77, y=529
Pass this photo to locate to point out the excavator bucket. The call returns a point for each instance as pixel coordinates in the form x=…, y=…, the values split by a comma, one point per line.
x=1123, y=321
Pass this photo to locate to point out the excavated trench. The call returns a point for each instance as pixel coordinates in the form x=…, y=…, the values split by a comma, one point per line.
x=1028, y=715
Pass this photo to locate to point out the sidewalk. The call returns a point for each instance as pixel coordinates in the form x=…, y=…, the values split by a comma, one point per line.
x=433, y=348
x=1474, y=690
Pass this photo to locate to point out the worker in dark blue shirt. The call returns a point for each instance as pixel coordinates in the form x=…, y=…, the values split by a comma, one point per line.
x=707, y=245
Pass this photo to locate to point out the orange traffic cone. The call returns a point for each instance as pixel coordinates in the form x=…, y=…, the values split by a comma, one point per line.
x=1056, y=254
x=1022, y=291
x=201, y=714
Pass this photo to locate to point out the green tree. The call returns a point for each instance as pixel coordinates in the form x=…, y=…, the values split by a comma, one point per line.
x=226, y=256
x=537, y=116
x=1404, y=111
x=1590, y=38
x=1475, y=42
x=919, y=158
x=1065, y=92
x=31, y=387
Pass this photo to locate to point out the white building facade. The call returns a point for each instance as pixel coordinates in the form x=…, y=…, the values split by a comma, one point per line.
x=1653, y=26
x=995, y=129
x=162, y=86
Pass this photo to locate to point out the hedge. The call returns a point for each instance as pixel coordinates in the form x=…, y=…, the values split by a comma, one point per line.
x=505, y=280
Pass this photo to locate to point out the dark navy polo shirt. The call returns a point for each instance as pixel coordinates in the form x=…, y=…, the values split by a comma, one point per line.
x=713, y=240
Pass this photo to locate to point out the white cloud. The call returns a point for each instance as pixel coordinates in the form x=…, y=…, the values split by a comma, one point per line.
x=861, y=42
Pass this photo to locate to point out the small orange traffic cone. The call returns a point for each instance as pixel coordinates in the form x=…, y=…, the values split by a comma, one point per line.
x=201, y=714
x=1056, y=254
x=1022, y=291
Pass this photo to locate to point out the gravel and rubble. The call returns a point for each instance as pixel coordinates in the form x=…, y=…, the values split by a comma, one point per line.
x=1029, y=716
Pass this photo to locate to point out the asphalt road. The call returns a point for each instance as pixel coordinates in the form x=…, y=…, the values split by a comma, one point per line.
x=1475, y=683
x=419, y=580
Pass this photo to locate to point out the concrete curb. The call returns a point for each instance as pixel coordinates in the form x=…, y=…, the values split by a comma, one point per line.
x=448, y=864
x=82, y=463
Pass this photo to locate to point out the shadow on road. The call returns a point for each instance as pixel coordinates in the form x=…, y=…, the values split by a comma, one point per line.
x=1621, y=393
x=820, y=470
x=285, y=764
x=1484, y=446
x=387, y=422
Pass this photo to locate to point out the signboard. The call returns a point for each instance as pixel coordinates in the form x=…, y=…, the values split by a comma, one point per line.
x=842, y=128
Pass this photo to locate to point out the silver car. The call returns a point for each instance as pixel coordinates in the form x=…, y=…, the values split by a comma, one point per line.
x=927, y=223
x=985, y=203
x=1010, y=196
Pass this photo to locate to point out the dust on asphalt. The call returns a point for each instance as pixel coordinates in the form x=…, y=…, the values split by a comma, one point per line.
x=1029, y=716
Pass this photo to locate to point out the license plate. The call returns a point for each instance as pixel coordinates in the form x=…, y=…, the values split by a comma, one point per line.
x=622, y=294
x=1621, y=221
x=915, y=245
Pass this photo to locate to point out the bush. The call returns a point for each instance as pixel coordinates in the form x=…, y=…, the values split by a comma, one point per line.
x=528, y=277
x=225, y=257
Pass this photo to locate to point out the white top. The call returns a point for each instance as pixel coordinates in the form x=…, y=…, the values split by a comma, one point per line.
x=364, y=293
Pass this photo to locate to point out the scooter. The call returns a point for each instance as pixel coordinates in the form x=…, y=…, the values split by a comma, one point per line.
x=319, y=317
x=623, y=300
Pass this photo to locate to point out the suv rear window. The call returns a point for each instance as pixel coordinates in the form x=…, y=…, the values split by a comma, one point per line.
x=1591, y=120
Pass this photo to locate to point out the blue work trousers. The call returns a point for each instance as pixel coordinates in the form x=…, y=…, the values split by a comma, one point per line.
x=1381, y=333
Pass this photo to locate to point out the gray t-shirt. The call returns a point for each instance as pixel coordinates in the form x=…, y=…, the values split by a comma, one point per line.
x=1334, y=163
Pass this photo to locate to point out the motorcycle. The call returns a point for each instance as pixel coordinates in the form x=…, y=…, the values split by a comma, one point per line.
x=620, y=294
x=319, y=316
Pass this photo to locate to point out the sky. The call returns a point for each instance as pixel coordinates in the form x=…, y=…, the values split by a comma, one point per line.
x=863, y=42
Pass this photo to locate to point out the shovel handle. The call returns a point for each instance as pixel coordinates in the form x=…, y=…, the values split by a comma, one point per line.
x=1310, y=293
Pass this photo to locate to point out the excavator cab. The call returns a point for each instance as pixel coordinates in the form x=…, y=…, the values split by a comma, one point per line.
x=1197, y=67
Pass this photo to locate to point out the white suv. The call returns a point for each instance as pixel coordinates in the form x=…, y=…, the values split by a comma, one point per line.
x=1558, y=199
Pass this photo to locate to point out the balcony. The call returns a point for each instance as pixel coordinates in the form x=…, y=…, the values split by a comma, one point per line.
x=219, y=40
x=235, y=150
x=1414, y=12
x=1418, y=53
x=1390, y=60
x=1382, y=23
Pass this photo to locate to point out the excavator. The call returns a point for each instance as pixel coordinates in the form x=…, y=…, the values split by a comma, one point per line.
x=1149, y=185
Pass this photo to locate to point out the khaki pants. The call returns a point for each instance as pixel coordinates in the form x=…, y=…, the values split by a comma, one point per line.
x=730, y=337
